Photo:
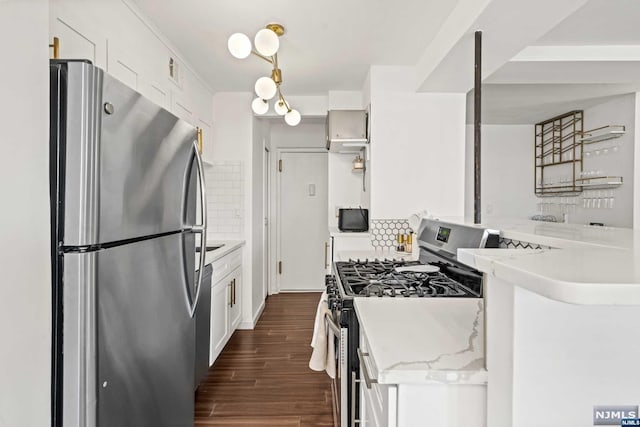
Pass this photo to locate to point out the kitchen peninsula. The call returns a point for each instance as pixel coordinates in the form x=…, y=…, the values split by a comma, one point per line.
x=562, y=322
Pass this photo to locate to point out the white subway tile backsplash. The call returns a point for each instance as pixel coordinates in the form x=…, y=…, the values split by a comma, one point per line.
x=225, y=201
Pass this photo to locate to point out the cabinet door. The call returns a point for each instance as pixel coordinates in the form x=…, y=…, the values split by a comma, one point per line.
x=124, y=66
x=235, y=309
x=367, y=414
x=220, y=298
x=78, y=39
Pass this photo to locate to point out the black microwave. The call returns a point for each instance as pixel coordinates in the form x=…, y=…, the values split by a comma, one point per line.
x=353, y=220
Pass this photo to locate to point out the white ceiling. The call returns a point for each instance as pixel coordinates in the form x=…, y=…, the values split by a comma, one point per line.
x=599, y=22
x=331, y=45
x=328, y=45
x=531, y=88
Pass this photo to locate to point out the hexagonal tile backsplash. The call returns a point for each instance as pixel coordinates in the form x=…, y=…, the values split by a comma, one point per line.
x=384, y=232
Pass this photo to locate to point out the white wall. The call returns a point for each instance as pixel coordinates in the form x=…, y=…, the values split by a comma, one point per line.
x=507, y=172
x=417, y=147
x=636, y=165
x=233, y=141
x=309, y=106
x=25, y=287
x=345, y=186
x=620, y=110
x=261, y=140
x=309, y=133
x=345, y=100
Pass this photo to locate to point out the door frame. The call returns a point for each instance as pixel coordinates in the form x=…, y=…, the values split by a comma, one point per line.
x=276, y=240
x=267, y=216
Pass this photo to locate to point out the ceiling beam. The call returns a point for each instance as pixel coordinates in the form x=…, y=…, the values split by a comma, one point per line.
x=578, y=53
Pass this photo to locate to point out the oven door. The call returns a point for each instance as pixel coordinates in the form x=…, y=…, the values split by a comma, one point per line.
x=340, y=383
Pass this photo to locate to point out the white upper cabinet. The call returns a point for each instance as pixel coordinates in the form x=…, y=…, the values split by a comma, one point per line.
x=116, y=38
x=78, y=39
x=123, y=64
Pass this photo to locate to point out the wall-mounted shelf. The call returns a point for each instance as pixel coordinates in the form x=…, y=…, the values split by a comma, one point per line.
x=600, y=182
x=603, y=133
x=558, y=155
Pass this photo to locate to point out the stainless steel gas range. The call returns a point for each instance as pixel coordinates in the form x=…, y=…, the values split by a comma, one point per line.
x=437, y=274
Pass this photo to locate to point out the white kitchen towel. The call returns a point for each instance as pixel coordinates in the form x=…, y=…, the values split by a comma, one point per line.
x=323, y=356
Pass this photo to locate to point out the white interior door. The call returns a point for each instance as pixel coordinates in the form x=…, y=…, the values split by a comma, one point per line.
x=303, y=221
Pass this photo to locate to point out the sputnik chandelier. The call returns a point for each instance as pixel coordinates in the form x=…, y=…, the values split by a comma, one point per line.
x=266, y=47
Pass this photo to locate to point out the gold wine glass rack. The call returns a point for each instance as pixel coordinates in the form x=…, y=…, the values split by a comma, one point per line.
x=558, y=155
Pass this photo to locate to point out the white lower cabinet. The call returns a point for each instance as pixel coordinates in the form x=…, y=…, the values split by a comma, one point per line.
x=235, y=312
x=378, y=402
x=219, y=319
x=414, y=405
x=226, y=301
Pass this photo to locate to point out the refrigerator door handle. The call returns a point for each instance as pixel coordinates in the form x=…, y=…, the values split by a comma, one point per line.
x=200, y=228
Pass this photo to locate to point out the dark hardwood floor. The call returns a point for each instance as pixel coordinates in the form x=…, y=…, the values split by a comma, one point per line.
x=262, y=377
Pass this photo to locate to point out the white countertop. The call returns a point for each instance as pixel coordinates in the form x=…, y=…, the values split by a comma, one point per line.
x=425, y=340
x=334, y=232
x=591, y=265
x=589, y=276
x=558, y=235
x=211, y=256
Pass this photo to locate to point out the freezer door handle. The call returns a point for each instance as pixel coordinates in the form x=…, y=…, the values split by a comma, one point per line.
x=200, y=228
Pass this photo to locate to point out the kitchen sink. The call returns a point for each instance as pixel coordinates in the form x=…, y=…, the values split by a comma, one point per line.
x=210, y=248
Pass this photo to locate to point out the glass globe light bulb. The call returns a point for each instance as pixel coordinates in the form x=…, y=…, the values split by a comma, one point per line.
x=239, y=45
x=259, y=106
x=280, y=107
x=267, y=42
x=265, y=88
x=292, y=118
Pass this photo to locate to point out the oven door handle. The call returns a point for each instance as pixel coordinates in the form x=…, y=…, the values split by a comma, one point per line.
x=332, y=325
x=354, y=381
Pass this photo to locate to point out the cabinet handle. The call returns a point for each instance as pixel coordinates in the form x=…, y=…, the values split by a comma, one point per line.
x=234, y=291
x=56, y=47
x=367, y=378
x=199, y=139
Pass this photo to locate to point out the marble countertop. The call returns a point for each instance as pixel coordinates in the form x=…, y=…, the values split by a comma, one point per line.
x=211, y=256
x=424, y=340
x=589, y=276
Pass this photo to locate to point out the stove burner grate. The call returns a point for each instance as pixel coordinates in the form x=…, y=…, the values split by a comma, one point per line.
x=380, y=278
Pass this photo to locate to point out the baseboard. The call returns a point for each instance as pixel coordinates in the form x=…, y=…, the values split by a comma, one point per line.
x=252, y=324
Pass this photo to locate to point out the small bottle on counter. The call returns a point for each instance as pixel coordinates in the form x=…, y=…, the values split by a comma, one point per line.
x=408, y=247
x=400, y=240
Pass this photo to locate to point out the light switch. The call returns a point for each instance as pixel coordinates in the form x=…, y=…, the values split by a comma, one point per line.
x=312, y=190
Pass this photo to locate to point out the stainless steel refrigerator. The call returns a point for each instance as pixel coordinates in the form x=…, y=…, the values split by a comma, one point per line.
x=125, y=179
